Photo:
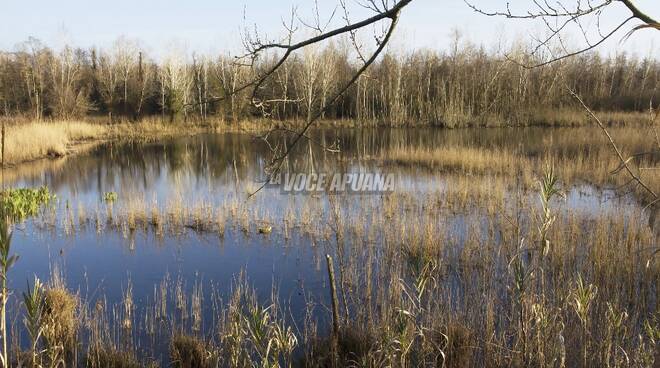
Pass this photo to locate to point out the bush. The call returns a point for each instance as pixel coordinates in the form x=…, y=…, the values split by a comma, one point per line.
x=189, y=352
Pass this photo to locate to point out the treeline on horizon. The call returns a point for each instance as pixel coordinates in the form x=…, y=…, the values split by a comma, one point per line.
x=466, y=85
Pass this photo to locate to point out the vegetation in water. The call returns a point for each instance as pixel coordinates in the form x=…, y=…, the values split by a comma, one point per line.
x=21, y=203
x=110, y=197
x=543, y=278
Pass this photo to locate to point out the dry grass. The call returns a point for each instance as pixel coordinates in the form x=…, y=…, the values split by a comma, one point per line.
x=189, y=351
x=32, y=141
x=572, y=118
x=36, y=140
x=443, y=278
x=60, y=323
x=467, y=160
x=27, y=141
x=104, y=357
x=580, y=155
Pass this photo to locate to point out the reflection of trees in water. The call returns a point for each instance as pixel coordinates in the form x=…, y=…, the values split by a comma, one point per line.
x=215, y=160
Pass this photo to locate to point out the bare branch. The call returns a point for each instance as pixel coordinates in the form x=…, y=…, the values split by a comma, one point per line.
x=624, y=163
x=276, y=164
x=558, y=17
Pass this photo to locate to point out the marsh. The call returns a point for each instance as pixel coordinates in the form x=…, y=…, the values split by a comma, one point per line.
x=448, y=260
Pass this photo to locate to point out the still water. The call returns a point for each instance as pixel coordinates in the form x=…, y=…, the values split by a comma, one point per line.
x=217, y=171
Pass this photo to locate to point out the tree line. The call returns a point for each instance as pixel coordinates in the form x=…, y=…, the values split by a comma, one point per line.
x=465, y=85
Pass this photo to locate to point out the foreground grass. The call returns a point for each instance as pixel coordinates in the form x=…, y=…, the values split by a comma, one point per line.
x=526, y=283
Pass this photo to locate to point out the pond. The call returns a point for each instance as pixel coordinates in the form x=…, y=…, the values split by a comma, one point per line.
x=183, y=233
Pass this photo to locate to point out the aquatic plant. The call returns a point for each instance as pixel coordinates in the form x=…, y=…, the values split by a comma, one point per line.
x=34, y=302
x=583, y=296
x=108, y=357
x=270, y=340
x=189, y=351
x=548, y=191
x=21, y=203
x=60, y=323
x=7, y=261
x=110, y=197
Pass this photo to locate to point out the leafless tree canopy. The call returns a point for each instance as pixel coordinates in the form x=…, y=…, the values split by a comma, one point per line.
x=563, y=18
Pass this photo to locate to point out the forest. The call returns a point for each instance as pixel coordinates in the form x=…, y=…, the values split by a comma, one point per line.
x=468, y=85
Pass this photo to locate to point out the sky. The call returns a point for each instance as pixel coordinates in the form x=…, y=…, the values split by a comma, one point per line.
x=213, y=26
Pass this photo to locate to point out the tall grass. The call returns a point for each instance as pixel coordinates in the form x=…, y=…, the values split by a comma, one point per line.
x=487, y=269
x=423, y=294
x=32, y=141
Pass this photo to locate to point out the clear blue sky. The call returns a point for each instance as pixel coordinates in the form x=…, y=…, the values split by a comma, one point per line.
x=214, y=25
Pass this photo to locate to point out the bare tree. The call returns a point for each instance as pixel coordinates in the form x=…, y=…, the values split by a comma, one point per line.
x=35, y=75
x=142, y=84
x=108, y=77
x=329, y=60
x=177, y=81
x=70, y=98
x=231, y=76
x=564, y=17
x=308, y=80
x=126, y=53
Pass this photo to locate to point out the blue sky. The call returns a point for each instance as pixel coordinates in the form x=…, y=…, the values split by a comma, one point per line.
x=214, y=25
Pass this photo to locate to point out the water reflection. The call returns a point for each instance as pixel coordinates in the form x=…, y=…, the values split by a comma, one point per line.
x=217, y=170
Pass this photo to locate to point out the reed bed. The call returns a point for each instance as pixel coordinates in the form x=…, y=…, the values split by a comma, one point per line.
x=476, y=273
x=31, y=140
x=497, y=265
x=583, y=158
x=26, y=142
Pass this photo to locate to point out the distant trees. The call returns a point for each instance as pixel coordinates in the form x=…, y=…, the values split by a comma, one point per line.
x=107, y=78
x=69, y=90
x=176, y=82
x=35, y=59
x=229, y=76
x=308, y=80
x=466, y=85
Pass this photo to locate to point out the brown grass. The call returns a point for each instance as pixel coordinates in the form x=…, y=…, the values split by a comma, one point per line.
x=467, y=160
x=29, y=140
x=189, y=352
x=60, y=322
x=32, y=141
x=104, y=357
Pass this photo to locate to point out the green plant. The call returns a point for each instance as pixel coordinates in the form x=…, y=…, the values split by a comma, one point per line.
x=582, y=297
x=270, y=340
x=110, y=197
x=22, y=203
x=34, y=303
x=548, y=191
x=7, y=260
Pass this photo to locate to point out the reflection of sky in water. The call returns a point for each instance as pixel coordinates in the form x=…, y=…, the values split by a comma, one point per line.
x=214, y=169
